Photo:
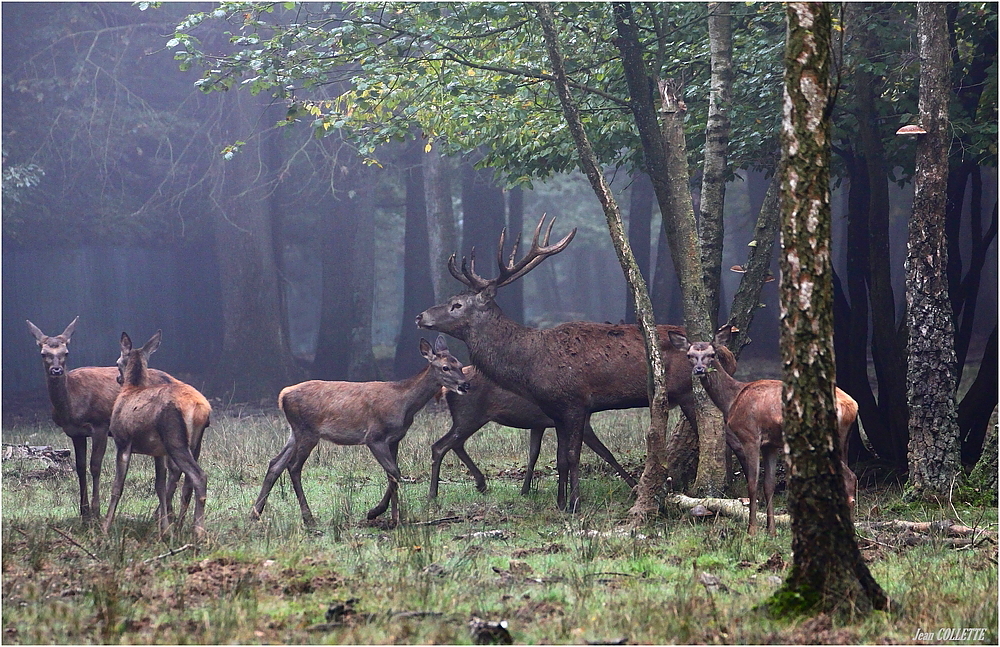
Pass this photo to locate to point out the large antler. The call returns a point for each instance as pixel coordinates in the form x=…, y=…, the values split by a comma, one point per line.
x=510, y=271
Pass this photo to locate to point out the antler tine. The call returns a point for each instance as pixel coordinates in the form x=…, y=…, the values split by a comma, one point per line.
x=474, y=281
x=535, y=255
x=453, y=268
x=513, y=252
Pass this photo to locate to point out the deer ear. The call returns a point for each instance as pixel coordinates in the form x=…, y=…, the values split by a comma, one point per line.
x=679, y=341
x=722, y=335
x=35, y=332
x=66, y=334
x=425, y=349
x=154, y=342
x=440, y=345
x=487, y=294
x=126, y=342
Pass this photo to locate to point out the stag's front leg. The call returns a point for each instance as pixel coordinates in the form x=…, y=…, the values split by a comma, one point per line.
x=570, y=441
x=534, y=448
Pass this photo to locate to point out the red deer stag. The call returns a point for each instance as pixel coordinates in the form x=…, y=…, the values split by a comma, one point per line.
x=752, y=411
x=375, y=414
x=487, y=402
x=165, y=421
x=569, y=371
x=82, y=400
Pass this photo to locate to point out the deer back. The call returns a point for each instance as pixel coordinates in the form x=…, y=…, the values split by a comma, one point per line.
x=756, y=413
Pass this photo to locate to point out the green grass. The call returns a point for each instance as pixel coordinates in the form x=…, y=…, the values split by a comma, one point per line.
x=555, y=578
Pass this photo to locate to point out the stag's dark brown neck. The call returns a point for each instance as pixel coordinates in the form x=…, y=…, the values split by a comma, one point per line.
x=505, y=351
x=721, y=387
x=59, y=396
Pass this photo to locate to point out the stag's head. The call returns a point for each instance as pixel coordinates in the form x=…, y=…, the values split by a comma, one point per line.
x=447, y=368
x=54, y=349
x=463, y=311
x=701, y=354
x=133, y=362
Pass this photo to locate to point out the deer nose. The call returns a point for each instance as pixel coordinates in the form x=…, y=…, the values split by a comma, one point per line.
x=698, y=370
x=419, y=320
x=56, y=371
x=464, y=387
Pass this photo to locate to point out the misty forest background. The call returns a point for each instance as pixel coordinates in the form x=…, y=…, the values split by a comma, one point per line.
x=138, y=200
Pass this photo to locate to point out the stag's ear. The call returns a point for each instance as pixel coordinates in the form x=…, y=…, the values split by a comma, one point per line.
x=425, y=350
x=722, y=335
x=487, y=294
x=35, y=332
x=154, y=342
x=126, y=343
x=66, y=334
x=679, y=341
x=440, y=345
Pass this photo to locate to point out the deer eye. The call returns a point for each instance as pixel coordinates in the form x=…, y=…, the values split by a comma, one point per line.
x=456, y=306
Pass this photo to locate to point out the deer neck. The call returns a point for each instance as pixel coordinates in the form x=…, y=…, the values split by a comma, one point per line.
x=59, y=396
x=721, y=387
x=418, y=390
x=504, y=351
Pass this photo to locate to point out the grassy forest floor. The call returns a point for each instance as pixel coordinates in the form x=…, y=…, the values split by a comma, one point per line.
x=553, y=577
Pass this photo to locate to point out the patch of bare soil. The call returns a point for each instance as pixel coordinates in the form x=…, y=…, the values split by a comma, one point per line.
x=221, y=575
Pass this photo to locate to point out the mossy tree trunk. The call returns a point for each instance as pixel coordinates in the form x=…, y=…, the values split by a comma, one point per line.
x=827, y=574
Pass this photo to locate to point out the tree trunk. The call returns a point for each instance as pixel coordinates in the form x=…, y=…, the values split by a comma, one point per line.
x=418, y=290
x=640, y=216
x=827, y=574
x=665, y=157
x=713, y=181
x=933, y=454
x=746, y=301
x=256, y=360
x=616, y=227
x=361, y=365
x=441, y=234
x=514, y=293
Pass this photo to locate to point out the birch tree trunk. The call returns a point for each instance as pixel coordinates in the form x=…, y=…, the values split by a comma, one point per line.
x=441, y=235
x=827, y=574
x=644, y=308
x=711, y=228
x=933, y=452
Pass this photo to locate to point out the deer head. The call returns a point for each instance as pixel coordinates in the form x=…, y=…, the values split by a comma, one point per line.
x=54, y=349
x=462, y=310
x=701, y=354
x=447, y=368
x=133, y=363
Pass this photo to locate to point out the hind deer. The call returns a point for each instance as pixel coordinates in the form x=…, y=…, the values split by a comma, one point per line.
x=569, y=371
x=487, y=402
x=165, y=421
x=753, y=415
x=374, y=414
x=82, y=400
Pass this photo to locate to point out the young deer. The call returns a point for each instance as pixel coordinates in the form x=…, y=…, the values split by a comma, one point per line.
x=487, y=402
x=375, y=414
x=165, y=421
x=753, y=415
x=569, y=371
x=82, y=400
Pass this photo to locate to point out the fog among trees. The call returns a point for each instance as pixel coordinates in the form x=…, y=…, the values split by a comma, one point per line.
x=277, y=187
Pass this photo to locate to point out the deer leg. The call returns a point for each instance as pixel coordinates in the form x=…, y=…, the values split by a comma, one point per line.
x=471, y=466
x=274, y=470
x=188, y=489
x=385, y=454
x=122, y=459
x=299, y=455
x=100, y=446
x=80, y=452
x=199, y=481
x=570, y=437
x=770, y=466
x=601, y=450
x=164, y=511
x=174, y=475
x=534, y=448
x=752, y=469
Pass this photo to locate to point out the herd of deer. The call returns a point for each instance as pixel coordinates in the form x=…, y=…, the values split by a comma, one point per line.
x=522, y=377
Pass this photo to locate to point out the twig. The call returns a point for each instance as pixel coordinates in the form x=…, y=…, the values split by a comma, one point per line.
x=168, y=553
x=434, y=522
x=75, y=543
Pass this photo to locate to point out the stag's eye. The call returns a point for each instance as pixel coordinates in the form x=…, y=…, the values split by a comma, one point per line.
x=456, y=306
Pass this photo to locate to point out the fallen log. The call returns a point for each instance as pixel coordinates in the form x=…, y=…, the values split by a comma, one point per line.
x=734, y=508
